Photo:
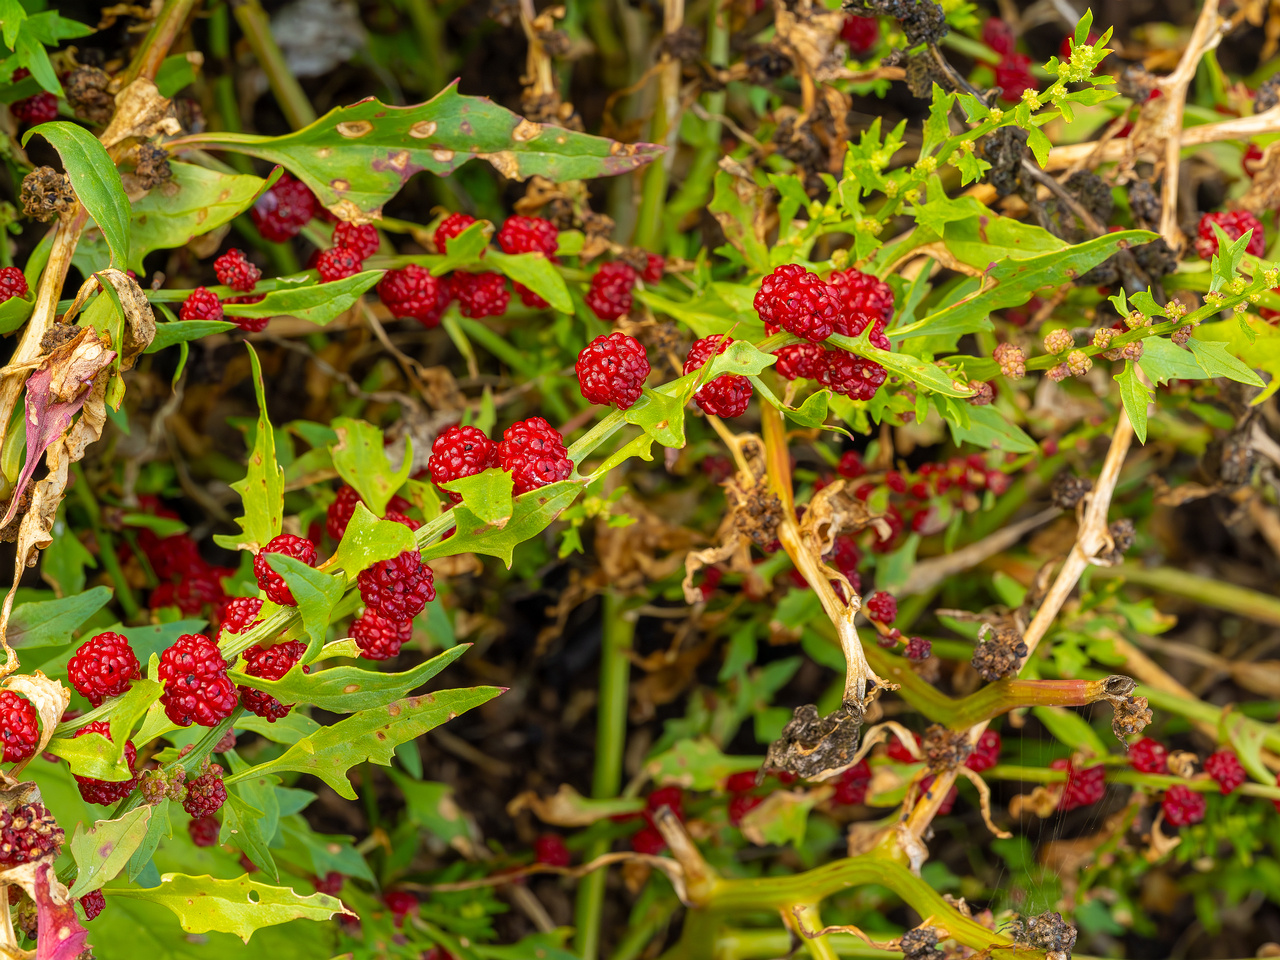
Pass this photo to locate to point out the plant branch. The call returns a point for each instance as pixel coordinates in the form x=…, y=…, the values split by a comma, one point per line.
x=165, y=29
x=256, y=26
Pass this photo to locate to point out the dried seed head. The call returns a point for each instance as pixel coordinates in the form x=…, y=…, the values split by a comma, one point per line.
x=1067, y=490
x=1000, y=654
x=47, y=194
x=920, y=944
x=1048, y=932
x=945, y=749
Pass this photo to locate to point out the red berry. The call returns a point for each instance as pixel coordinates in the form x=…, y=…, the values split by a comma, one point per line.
x=1084, y=786
x=481, y=294
x=654, y=267
x=399, y=588
x=648, y=841
x=204, y=831
x=240, y=614
x=609, y=296
x=360, y=238
x=106, y=792
x=612, y=369
x=918, y=649
x=450, y=227
x=93, y=903
x=28, y=832
x=1182, y=806
x=861, y=34
x=300, y=548
x=102, y=667
x=895, y=481
x=740, y=805
x=742, y=782
x=726, y=395
x=337, y=263
x=1251, y=162
x=19, y=727
x=201, y=305
x=851, y=465
x=331, y=883
x=998, y=35
x=1225, y=769
x=853, y=784
x=413, y=292
x=899, y=752
x=284, y=209
x=460, y=452
x=881, y=607
x=379, y=638
x=1148, y=756
x=343, y=509
x=549, y=848
x=799, y=302
x=41, y=108
x=205, y=794
x=866, y=299
x=800, y=360
x=269, y=663
x=196, y=685
x=986, y=752
x=236, y=272
x=12, y=283
x=1013, y=76
x=529, y=235
x=672, y=797
x=401, y=903
x=1235, y=224
x=853, y=376
x=533, y=452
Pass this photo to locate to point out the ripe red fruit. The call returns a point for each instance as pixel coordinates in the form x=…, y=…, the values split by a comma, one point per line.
x=740, y=805
x=106, y=792
x=899, y=752
x=998, y=35
x=1225, y=769
x=235, y=271
x=648, y=841
x=1084, y=786
x=529, y=235
x=399, y=588
x=343, y=509
x=725, y=396
x=918, y=649
x=104, y=666
x=609, y=296
x=379, y=638
x=861, y=34
x=742, y=782
x=204, y=831
x=550, y=849
x=612, y=369
x=1148, y=756
x=331, y=883
x=360, y=238
x=93, y=903
x=450, y=227
x=205, y=794
x=800, y=360
x=28, y=832
x=654, y=267
x=866, y=299
x=19, y=727
x=460, y=452
x=413, y=292
x=401, y=903
x=1013, y=76
x=799, y=302
x=1235, y=224
x=337, y=263
x=300, y=548
x=284, y=209
x=1182, y=806
x=12, y=283
x=1251, y=162
x=853, y=784
x=41, y=108
x=533, y=452
x=240, y=614
x=853, y=376
x=851, y=465
x=201, y=304
x=196, y=686
x=671, y=797
x=986, y=752
x=481, y=294
x=269, y=663
x=881, y=607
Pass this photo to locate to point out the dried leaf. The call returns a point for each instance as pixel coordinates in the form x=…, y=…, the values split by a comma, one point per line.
x=568, y=808
x=49, y=697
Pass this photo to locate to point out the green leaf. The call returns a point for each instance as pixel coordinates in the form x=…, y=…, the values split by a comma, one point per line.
x=811, y=413
x=184, y=331
x=1163, y=360
x=920, y=371
x=95, y=179
x=103, y=850
x=781, y=819
x=262, y=489
x=531, y=513
x=361, y=460
x=1012, y=282
x=14, y=313
x=368, y=540
x=325, y=851
x=175, y=73
x=316, y=592
x=1040, y=145
x=1135, y=395
x=243, y=826
x=91, y=755
x=741, y=358
x=191, y=203
x=465, y=249
x=738, y=206
x=347, y=689
x=432, y=807
x=371, y=735
x=487, y=495
x=240, y=906
x=318, y=302
x=938, y=127
x=157, y=828
x=129, y=708
x=697, y=764
x=356, y=158
x=50, y=623
x=989, y=428
x=1071, y=729
x=537, y=273
x=1217, y=362
x=660, y=415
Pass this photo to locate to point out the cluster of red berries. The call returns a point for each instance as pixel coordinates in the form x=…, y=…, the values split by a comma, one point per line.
x=33, y=110
x=1234, y=224
x=401, y=903
x=269, y=663
x=550, y=850
x=1085, y=785
x=12, y=283
x=742, y=796
x=1013, y=72
x=612, y=369
x=726, y=395
x=861, y=34
x=282, y=212
x=206, y=793
x=188, y=581
x=196, y=686
x=107, y=792
x=531, y=450
x=648, y=839
x=1183, y=806
x=353, y=243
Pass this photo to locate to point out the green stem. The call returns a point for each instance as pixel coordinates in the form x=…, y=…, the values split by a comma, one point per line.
x=1262, y=607
x=224, y=86
x=642, y=931
x=611, y=736
x=202, y=749
x=256, y=27
x=164, y=31
x=742, y=944
x=1133, y=778
x=428, y=25
x=106, y=546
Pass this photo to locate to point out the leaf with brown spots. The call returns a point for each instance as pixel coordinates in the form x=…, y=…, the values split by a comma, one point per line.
x=356, y=158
